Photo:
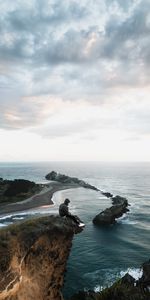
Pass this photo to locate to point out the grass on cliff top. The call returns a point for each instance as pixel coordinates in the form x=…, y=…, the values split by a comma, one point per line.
x=36, y=225
x=30, y=224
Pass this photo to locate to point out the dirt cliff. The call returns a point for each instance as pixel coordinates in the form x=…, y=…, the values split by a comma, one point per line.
x=33, y=257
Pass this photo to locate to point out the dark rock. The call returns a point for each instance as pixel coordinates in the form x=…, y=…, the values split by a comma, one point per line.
x=104, y=218
x=51, y=176
x=109, y=215
x=89, y=295
x=107, y=194
x=127, y=279
x=54, y=176
x=119, y=200
x=145, y=279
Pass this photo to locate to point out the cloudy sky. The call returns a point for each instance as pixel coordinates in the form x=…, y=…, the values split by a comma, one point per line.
x=75, y=80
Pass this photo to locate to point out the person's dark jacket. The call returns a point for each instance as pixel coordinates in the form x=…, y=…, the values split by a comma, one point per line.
x=63, y=210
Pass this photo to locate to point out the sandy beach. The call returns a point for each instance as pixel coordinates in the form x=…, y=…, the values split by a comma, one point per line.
x=37, y=200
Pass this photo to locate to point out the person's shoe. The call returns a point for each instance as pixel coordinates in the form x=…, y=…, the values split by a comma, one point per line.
x=81, y=225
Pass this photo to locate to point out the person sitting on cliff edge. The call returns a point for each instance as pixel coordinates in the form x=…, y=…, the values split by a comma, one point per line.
x=64, y=212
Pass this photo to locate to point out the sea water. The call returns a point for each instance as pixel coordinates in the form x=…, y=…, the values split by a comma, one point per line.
x=98, y=255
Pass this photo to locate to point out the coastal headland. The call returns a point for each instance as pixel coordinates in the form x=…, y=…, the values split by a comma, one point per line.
x=20, y=195
x=34, y=253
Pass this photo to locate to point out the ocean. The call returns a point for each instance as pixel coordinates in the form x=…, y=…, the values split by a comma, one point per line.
x=99, y=255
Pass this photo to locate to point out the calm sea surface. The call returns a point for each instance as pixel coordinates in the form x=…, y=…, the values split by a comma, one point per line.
x=98, y=256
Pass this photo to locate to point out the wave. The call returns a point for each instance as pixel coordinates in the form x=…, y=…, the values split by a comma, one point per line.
x=134, y=207
x=6, y=217
x=125, y=219
x=114, y=275
x=109, y=276
x=18, y=218
x=136, y=273
x=2, y=225
x=98, y=288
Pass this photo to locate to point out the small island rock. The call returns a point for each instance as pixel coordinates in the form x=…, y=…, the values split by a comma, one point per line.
x=109, y=215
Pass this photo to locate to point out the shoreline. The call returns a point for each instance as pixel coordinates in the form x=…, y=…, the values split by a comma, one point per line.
x=37, y=200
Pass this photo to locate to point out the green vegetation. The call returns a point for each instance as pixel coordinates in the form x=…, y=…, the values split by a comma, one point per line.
x=16, y=190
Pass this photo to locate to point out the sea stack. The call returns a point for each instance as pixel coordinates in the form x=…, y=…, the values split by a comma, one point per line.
x=109, y=215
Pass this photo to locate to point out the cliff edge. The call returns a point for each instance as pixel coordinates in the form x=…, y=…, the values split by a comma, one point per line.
x=33, y=257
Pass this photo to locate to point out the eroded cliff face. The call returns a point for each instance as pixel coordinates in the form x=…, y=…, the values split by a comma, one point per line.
x=33, y=257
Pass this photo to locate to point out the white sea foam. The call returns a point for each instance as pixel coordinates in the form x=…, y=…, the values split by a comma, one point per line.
x=2, y=225
x=126, y=219
x=18, y=218
x=6, y=217
x=122, y=217
x=136, y=273
x=111, y=275
x=134, y=207
x=98, y=288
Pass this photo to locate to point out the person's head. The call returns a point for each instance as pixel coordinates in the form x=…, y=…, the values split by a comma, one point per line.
x=67, y=201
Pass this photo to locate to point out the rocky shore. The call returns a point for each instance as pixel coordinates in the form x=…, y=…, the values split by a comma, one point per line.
x=126, y=288
x=109, y=215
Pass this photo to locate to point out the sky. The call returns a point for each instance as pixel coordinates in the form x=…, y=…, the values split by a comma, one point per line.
x=75, y=80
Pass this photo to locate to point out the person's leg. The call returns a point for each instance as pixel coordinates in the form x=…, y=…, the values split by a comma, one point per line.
x=72, y=217
x=76, y=220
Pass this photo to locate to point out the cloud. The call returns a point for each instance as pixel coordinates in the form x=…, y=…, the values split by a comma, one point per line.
x=55, y=53
x=82, y=120
x=27, y=112
x=54, y=32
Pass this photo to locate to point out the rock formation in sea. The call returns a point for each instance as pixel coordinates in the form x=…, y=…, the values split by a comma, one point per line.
x=126, y=288
x=109, y=215
x=33, y=257
x=107, y=194
x=54, y=176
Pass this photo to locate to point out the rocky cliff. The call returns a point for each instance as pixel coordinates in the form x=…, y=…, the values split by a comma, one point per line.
x=33, y=258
